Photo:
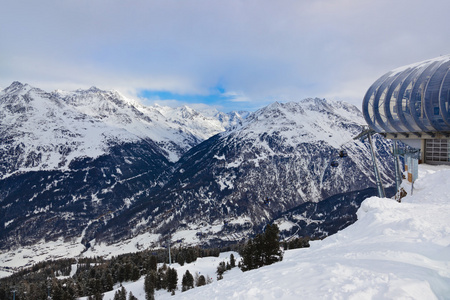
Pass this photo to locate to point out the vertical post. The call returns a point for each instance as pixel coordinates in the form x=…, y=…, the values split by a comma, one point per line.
x=398, y=176
x=170, y=257
x=414, y=171
x=380, y=188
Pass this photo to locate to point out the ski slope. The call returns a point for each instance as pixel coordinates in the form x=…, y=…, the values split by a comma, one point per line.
x=394, y=251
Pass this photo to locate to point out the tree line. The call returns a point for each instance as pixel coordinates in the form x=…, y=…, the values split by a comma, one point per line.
x=95, y=276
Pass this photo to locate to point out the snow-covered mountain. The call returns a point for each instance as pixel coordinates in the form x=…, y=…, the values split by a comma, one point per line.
x=90, y=168
x=70, y=158
x=280, y=157
x=46, y=131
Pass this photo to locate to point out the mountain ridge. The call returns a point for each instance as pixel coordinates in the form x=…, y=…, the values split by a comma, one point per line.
x=65, y=125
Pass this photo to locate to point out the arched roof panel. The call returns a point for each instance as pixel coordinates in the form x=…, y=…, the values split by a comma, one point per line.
x=414, y=98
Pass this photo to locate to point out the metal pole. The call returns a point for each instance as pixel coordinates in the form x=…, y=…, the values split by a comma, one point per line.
x=398, y=176
x=170, y=257
x=380, y=188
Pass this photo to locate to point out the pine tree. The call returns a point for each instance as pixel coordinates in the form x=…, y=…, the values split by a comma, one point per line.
x=161, y=281
x=98, y=296
x=248, y=256
x=150, y=285
x=153, y=263
x=232, y=261
x=131, y=296
x=108, y=282
x=121, y=294
x=263, y=249
x=181, y=257
x=57, y=292
x=135, y=274
x=187, y=282
x=172, y=280
x=271, y=245
x=121, y=274
x=201, y=281
x=220, y=270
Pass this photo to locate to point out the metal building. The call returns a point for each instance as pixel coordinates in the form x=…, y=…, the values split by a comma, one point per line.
x=411, y=104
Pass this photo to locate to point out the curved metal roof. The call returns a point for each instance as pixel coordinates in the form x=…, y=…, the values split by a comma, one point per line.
x=411, y=99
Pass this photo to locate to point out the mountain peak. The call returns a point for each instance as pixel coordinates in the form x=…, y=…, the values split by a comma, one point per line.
x=92, y=89
x=16, y=87
x=16, y=84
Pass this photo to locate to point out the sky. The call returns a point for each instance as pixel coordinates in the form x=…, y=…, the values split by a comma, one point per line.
x=233, y=54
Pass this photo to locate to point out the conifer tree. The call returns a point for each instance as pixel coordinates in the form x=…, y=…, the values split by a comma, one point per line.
x=161, y=279
x=201, y=281
x=121, y=294
x=131, y=296
x=220, y=270
x=271, y=245
x=108, y=282
x=172, y=279
x=248, y=256
x=232, y=261
x=150, y=285
x=135, y=275
x=263, y=249
x=187, y=282
x=98, y=296
x=153, y=263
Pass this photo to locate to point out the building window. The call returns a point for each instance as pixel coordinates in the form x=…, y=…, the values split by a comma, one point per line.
x=436, y=111
x=437, y=151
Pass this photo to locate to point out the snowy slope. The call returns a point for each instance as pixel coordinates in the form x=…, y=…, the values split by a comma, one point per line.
x=175, y=130
x=394, y=251
x=309, y=120
x=39, y=131
x=46, y=131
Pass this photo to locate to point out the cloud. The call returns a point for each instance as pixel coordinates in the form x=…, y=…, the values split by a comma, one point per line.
x=259, y=50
